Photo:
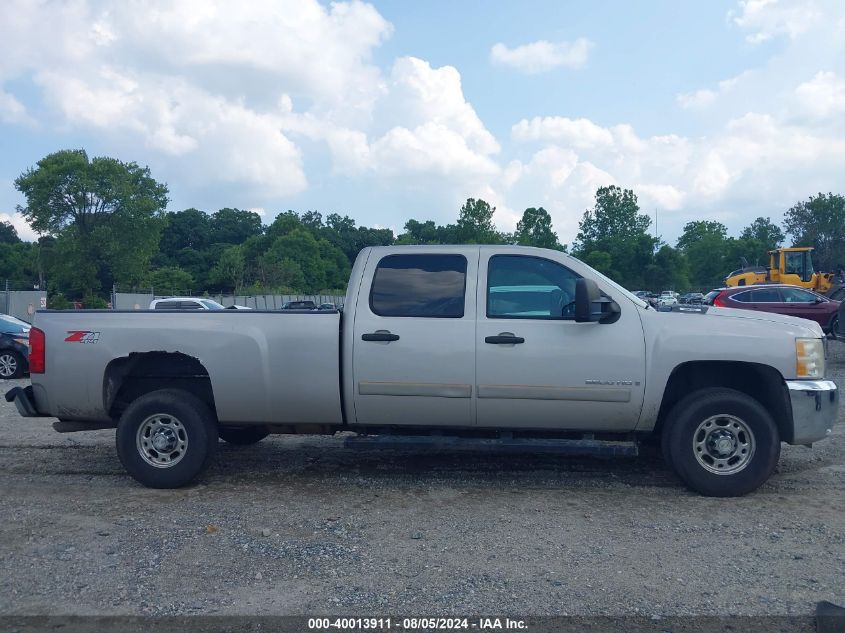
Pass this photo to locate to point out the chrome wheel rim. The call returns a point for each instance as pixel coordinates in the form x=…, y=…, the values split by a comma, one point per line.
x=162, y=440
x=8, y=365
x=723, y=444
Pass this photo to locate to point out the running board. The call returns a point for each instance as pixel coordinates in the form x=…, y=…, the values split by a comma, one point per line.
x=495, y=445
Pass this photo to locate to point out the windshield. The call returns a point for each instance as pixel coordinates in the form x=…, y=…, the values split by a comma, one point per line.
x=11, y=325
x=615, y=285
x=211, y=305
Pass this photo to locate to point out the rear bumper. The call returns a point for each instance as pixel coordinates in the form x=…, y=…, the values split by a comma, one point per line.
x=24, y=401
x=815, y=409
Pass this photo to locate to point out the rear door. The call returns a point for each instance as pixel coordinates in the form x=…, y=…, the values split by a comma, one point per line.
x=414, y=338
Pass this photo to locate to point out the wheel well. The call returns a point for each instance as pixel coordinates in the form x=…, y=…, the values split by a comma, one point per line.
x=129, y=377
x=761, y=382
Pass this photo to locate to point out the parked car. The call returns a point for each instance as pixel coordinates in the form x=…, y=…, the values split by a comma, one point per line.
x=298, y=305
x=327, y=306
x=185, y=303
x=668, y=298
x=521, y=348
x=14, y=347
x=691, y=298
x=781, y=299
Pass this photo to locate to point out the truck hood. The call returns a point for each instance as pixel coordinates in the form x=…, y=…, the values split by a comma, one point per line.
x=814, y=328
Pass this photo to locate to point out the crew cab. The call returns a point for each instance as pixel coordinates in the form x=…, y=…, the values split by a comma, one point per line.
x=521, y=346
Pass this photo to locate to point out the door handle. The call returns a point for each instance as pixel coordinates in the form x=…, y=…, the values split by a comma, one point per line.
x=380, y=335
x=504, y=339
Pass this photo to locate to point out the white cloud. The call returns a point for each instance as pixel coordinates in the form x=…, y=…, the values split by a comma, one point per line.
x=823, y=95
x=542, y=56
x=574, y=132
x=12, y=110
x=766, y=19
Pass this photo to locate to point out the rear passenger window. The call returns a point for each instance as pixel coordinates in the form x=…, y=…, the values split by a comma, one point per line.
x=168, y=305
x=765, y=295
x=419, y=286
x=742, y=297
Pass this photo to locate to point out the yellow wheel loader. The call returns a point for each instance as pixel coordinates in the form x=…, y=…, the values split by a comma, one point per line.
x=790, y=266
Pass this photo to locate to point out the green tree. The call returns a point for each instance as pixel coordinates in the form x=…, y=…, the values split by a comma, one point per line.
x=300, y=247
x=535, y=229
x=669, y=271
x=475, y=223
x=106, y=215
x=190, y=228
x=820, y=222
x=234, y=226
x=171, y=281
x=229, y=270
x=708, y=251
x=615, y=227
x=764, y=231
x=8, y=233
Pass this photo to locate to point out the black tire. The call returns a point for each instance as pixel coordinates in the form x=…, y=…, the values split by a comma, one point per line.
x=195, y=426
x=242, y=436
x=11, y=364
x=733, y=417
x=834, y=328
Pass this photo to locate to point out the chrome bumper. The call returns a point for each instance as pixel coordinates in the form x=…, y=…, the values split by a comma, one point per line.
x=815, y=409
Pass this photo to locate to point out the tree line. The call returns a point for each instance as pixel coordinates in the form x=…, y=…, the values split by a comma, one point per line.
x=103, y=222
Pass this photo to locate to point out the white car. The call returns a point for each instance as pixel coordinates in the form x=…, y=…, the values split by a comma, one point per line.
x=185, y=303
x=668, y=298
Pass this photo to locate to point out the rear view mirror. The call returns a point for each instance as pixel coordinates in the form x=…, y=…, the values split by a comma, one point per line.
x=591, y=305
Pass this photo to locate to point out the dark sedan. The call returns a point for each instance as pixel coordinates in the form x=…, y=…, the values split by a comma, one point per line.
x=14, y=347
x=782, y=299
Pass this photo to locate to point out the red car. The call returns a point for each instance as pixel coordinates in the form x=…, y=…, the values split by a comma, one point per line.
x=782, y=299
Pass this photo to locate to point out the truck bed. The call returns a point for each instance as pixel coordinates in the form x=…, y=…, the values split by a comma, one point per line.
x=264, y=367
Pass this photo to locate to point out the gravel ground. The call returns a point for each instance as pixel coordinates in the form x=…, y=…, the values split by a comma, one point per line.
x=303, y=526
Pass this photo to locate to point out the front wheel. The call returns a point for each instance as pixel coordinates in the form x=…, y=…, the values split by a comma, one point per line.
x=721, y=442
x=11, y=364
x=836, y=331
x=166, y=438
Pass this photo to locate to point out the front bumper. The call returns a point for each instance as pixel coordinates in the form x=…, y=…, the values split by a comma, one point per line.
x=815, y=409
x=24, y=400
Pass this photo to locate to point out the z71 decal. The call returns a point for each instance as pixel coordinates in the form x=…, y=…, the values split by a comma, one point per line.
x=82, y=336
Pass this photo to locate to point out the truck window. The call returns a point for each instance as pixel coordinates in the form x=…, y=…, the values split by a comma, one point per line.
x=168, y=305
x=525, y=287
x=419, y=286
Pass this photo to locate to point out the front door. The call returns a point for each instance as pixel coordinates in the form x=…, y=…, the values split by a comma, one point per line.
x=536, y=367
x=414, y=338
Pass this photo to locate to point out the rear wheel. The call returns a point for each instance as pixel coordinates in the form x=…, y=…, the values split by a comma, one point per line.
x=721, y=442
x=166, y=438
x=11, y=364
x=834, y=328
x=242, y=436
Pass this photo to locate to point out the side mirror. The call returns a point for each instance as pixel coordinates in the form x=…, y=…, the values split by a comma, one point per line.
x=591, y=305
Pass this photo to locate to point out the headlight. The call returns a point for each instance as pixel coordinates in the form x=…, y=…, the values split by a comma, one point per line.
x=809, y=358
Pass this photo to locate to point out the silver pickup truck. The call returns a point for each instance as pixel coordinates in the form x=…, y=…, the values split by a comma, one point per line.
x=493, y=345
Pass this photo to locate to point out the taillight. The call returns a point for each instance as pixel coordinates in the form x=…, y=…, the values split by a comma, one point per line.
x=719, y=300
x=37, y=349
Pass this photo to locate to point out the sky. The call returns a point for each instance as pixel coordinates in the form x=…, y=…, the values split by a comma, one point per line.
x=390, y=110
